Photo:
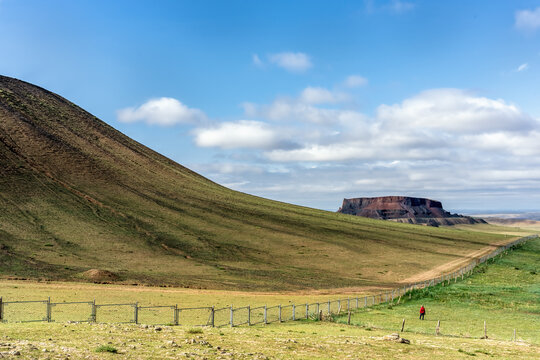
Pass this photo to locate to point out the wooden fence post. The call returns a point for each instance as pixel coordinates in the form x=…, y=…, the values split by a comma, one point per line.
x=1, y=310
x=485, y=330
x=339, y=306
x=249, y=315
x=307, y=311
x=320, y=315
x=514, y=334
x=318, y=308
x=403, y=325
x=175, y=317
x=265, y=315
x=293, y=312
x=93, y=315
x=329, y=307
x=136, y=313
x=232, y=316
x=348, y=303
x=212, y=316
x=437, y=330
x=279, y=313
x=349, y=318
x=357, y=302
x=49, y=309
x=365, y=301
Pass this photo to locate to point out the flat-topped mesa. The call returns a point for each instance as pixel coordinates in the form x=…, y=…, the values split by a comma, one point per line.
x=404, y=209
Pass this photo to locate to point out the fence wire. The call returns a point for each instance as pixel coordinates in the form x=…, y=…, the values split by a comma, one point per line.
x=72, y=311
x=197, y=316
x=25, y=311
x=157, y=315
x=116, y=313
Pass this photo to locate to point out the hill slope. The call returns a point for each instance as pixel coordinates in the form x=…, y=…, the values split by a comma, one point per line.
x=75, y=194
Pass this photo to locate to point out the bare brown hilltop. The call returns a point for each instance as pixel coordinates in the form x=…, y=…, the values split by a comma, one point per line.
x=404, y=209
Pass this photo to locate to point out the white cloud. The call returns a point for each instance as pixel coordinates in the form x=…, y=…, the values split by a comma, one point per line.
x=323, y=153
x=163, y=111
x=293, y=62
x=454, y=111
x=319, y=95
x=400, y=6
x=522, y=67
x=354, y=81
x=239, y=134
x=436, y=124
x=257, y=60
x=294, y=110
x=433, y=144
x=304, y=108
x=528, y=19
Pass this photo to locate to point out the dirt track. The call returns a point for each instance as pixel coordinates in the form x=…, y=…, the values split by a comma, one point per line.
x=455, y=264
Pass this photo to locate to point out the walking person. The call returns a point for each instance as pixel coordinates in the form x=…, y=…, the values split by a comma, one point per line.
x=422, y=312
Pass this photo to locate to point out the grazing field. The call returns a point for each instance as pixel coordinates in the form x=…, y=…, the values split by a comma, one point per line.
x=298, y=340
x=505, y=293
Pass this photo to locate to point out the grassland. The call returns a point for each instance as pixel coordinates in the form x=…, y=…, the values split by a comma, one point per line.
x=75, y=194
x=505, y=293
x=300, y=340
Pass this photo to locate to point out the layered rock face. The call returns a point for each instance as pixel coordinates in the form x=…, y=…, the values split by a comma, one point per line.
x=404, y=209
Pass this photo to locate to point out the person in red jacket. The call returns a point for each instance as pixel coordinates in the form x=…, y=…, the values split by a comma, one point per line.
x=422, y=312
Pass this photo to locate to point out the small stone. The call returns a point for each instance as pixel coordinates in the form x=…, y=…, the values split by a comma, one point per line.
x=15, y=352
x=158, y=328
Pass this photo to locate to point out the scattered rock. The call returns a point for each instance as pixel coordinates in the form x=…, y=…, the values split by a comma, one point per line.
x=395, y=337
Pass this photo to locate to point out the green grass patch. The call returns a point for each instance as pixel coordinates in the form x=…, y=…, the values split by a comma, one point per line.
x=106, y=348
x=504, y=293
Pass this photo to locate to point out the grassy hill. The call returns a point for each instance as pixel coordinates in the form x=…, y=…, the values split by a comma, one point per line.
x=75, y=194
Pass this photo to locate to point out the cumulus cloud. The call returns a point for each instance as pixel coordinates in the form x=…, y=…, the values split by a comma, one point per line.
x=454, y=111
x=239, y=134
x=164, y=111
x=431, y=144
x=290, y=61
x=433, y=125
x=354, y=81
x=528, y=20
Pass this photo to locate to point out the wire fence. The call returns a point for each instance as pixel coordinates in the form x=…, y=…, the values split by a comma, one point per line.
x=89, y=311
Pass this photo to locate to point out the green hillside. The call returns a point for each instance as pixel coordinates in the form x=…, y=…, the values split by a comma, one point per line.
x=75, y=194
x=504, y=292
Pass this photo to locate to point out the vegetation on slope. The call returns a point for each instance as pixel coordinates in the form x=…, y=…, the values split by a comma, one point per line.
x=505, y=292
x=75, y=194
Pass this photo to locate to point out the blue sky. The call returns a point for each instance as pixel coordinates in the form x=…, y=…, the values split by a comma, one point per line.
x=306, y=102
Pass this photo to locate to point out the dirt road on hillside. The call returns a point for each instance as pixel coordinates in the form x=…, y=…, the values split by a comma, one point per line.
x=455, y=264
